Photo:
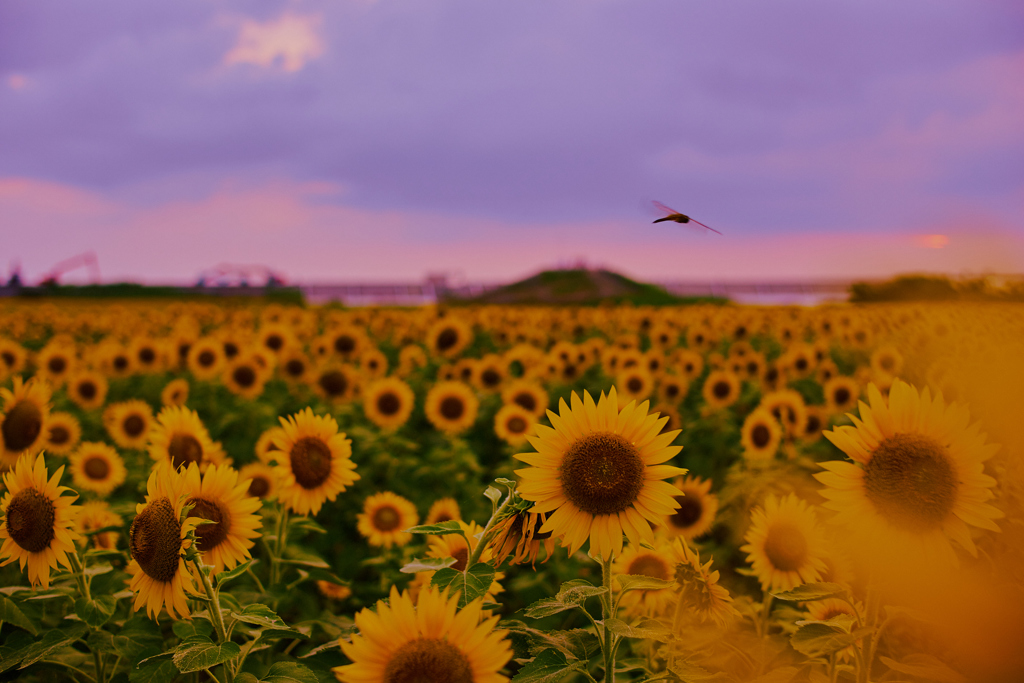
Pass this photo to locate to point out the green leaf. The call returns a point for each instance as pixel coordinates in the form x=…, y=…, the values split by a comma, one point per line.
x=574, y=644
x=572, y=594
x=10, y=613
x=196, y=626
x=301, y=558
x=505, y=482
x=550, y=666
x=687, y=672
x=471, y=585
x=224, y=577
x=154, y=671
x=102, y=553
x=811, y=591
x=260, y=615
x=307, y=524
x=648, y=629
x=14, y=649
x=439, y=529
x=428, y=564
x=282, y=672
x=97, y=611
x=635, y=582
x=494, y=495
x=52, y=641
x=199, y=652
x=925, y=666
x=820, y=639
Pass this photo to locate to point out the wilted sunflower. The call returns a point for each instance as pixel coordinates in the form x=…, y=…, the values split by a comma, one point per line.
x=385, y=518
x=513, y=424
x=698, y=586
x=315, y=464
x=428, y=642
x=841, y=394
x=527, y=394
x=388, y=402
x=178, y=438
x=97, y=467
x=262, y=480
x=93, y=516
x=448, y=337
x=697, y=509
x=26, y=411
x=456, y=546
x=37, y=530
x=62, y=433
x=157, y=539
x=175, y=393
x=88, y=389
x=218, y=496
x=599, y=471
x=335, y=382
x=785, y=545
x=760, y=435
x=520, y=533
x=721, y=389
x=451, y=407
x=443, y=510
x=917, y=479
x=128, y=423
x=655, y=562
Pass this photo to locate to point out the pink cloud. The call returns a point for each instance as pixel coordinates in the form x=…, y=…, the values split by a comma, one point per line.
x=290, y=228
x=288, y=42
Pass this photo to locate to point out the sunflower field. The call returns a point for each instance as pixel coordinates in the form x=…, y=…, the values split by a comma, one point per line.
x=239, y=492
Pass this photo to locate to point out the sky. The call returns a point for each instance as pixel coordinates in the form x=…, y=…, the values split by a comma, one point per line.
x=362, y=140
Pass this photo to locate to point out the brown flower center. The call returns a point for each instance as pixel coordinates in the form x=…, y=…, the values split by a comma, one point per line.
x=183, y=449
x=155, y=540
x=133, y=425
x=602, y=473
x=461, y=556
x=634, y=384
x=428, y=660
x=388, y=404
x=311, y=462
x=649, y=565
x=96, y=468
x=274, y=342
x=452, y=407
x=785, y=546
x=760, y=435
x=30, y=518
x=295, y=367
x=57, y=365
x=21, y=426
x=207, y=358
x=689, y=512
x=59, y=435
x=334, y=383
x=721, y=390
x=448, y=338
x=259, y=487
x=490, y=377
x=841, y=396
x=209, y=536
x=147, y=355
x=386, y=518
x=911, y=481
x=87, y=389
x=244, y=376
x=8, y=358
x=671, y=391
x=344, y=344
x=120, y=363
x=516, y=425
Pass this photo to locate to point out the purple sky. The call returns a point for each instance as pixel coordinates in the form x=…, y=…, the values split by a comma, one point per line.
x=352, y=139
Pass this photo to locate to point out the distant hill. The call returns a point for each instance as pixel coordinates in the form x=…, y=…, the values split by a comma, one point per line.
x=582, y=287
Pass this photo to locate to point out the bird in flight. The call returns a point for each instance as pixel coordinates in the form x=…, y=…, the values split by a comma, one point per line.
x=673, y=215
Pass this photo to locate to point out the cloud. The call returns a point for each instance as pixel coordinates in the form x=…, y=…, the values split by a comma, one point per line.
x=288, y=42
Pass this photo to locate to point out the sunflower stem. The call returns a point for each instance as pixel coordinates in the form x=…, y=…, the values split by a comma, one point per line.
x=80, y=578
x=607, y=612
x=215, y=612
x=478, y=550
x=279, y=545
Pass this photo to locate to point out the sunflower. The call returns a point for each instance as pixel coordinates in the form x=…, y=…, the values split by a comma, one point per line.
x=37, y=529
x=219, y=497
x=295, y=366
x=26, y=411
x=886, y=360
x=760, y=435
x=93, y=516
x=465, y=370
x=128, y=423
x=373, y=363
x=451, y=407
x=87, y=389
x=262, y=480
x=698, y=586
x=62, y=433
x=385, y=518
x=157, y=540
x=412, y=357
x=388, y=403
x=785, y=545
x=117, y=361
x=721, y=389
x=265, y=446
x=841, y=394
x=672, y=389
x=175, y=393
x=443, y=510
x=520, y=532
x=347, y=342
x=491, y=373
x=788, y=408
x=636, y=384
x=206, y=358
x=448, y=337
x=817, y=420
x=55, y=362
x=917, y=476
x=456, y=546
x=146, y=354
x=655, y=562
x=829, y=608
x=245, y=375
x=827, y=369
x=527, y=394
x=690, y=363
x=513, y=423
x=13, y=357
x=277, y=338
x=697, y=509
x=315, y=464
x=428, y=642
x=333, y=591
x=335, y=382
x=599, y=471
x=178, y=438
x=97, y=467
